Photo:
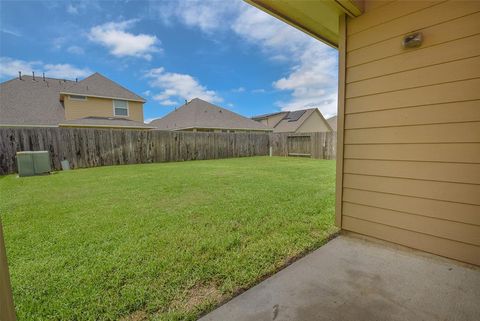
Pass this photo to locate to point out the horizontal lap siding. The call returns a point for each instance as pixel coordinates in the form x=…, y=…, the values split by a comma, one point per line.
x=412, y=127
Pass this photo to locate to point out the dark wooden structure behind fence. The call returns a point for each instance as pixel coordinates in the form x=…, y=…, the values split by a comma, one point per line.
x=89, y=147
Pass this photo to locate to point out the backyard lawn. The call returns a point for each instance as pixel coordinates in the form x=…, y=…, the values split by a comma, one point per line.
x=162, y=241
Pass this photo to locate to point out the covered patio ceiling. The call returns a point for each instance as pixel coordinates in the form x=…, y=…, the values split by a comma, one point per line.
x=318, y=18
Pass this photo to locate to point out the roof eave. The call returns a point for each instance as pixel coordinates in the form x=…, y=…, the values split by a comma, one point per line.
x=99, y=96
x=103, y=126
x=323, y=25
x=222, y=128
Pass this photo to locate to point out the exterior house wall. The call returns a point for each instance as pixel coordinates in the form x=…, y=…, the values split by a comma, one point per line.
x=313, y=124
x=99, y=107
x=411, y=127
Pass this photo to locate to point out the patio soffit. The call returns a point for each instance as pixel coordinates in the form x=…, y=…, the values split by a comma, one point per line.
x=318, y=18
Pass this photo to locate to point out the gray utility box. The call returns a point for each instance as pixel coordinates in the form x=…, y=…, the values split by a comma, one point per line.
x=33, y=163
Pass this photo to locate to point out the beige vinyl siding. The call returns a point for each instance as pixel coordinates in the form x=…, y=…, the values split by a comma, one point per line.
x=99, y=107
x=411, y=162
x=314, y=123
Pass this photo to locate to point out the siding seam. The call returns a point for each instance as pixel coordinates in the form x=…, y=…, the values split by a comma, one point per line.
x=415, y=87
x=406, y=229
x=419, y=124
x=415, y=179
x=412, y=143
x=416, y=214
x=396, y=18
x=422, y=105
x=423, y=47
x=420, y=197
x=412, y=160
x=416, y=106
x=412, y=69
x=421, y=28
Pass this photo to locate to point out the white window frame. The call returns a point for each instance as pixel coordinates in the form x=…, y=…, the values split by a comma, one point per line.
x=76, y=97
x=128, y=108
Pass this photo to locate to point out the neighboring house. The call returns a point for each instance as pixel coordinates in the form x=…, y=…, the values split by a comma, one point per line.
x=408, y=156
x=96, y=101
x=199, y=115
x=332, y=121
x=299, y=121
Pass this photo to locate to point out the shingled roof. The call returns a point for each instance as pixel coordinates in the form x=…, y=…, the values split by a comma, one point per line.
x=98, y=85
x=32, y=102
x=201, y=114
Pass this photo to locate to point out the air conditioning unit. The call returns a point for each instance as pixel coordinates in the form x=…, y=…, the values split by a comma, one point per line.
x=33, y=163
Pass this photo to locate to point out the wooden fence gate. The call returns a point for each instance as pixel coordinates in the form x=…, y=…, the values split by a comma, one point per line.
x=299, y=146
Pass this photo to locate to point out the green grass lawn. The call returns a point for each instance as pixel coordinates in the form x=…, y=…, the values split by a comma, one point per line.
x=159, y=241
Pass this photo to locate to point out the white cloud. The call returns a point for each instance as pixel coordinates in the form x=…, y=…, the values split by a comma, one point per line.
x=238, y=90
x=148, y=120
x=82, y=6
x=178, y=87
x=312, y=79
x=11, y=32
x=10, y=67
x=72, y=9
x=121, y=43
x=65, y=71
x=205, y=15
x=76, y=50
x=274, y=37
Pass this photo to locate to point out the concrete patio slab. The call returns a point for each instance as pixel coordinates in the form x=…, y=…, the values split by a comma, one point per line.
x=355, y=278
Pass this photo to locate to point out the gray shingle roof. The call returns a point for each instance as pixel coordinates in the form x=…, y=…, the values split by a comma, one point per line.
x=263, y=116
x=332, y=121
x=101, y=86
x=104, y=122
x=32, y=102
x=201, y=114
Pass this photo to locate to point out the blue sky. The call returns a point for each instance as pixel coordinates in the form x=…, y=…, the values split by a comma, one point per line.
x=226, y=52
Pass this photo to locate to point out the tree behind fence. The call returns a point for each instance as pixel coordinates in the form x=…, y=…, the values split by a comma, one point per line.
x=89, y=147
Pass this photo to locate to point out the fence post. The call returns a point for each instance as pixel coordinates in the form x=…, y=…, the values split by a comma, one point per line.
x=7, y=309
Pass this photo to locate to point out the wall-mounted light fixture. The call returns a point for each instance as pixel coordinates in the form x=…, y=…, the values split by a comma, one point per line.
x=412, y=40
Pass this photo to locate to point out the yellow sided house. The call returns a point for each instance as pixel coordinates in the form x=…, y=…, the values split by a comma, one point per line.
x=408, y=156
x=299, y=121
x=95, y=101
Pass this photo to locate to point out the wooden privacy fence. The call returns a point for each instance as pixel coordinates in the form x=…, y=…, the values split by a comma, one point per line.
x=89, y=147
x=314, y=145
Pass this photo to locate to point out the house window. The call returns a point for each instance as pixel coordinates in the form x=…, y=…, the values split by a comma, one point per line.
x=77, y=97
x=120, y=108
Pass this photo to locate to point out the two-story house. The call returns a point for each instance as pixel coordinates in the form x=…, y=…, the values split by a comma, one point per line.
x=95, y=101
